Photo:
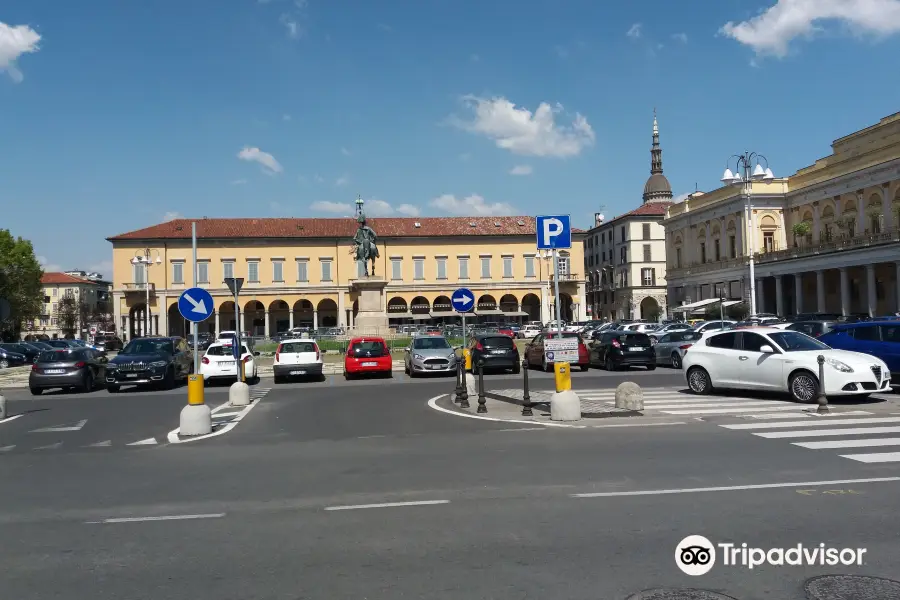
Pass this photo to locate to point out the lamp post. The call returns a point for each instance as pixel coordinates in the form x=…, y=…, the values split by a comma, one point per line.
x=747, y=170
x=145, y=257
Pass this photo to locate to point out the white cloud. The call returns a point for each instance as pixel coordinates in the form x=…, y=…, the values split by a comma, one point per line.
x=292, y=26
x=285, y=117
x=342, y=180
x=522, y=132
x=473, y=205
x=331, y=207
x=377, y=208
x=268, y=162
x=681, y=197
x=409, y=210
x=14, y=42
x=680, y=37
x=521, y=170
x=48, y=266
x=239, y=182
x=345, y=152
x=634, y=31
x=772, y=31
x=172, y=215
x=104, y=267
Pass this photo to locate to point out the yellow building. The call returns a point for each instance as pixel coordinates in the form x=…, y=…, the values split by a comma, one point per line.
x=300, y=272
x=825, y=240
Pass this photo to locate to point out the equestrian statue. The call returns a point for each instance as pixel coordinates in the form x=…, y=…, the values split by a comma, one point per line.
x=364, y=248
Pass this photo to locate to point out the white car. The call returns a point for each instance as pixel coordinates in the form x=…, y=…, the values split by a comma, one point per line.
x=219, y=363
x=777, y=360
x=529, y=331
x=297, y=358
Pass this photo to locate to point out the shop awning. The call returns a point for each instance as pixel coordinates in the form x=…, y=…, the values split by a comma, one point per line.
x=488, y=311
x=400, y=315
x=515, y=313
x=444, y=313
x=708, y=303
x=421, y=317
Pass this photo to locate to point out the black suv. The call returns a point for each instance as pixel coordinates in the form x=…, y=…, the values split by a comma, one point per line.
x=498, y=351
x=616, y=349
x=153, y=361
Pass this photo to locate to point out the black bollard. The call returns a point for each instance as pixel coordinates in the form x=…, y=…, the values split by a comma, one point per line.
x=464, y=397
x=526, y=397
x=482, y=406
x=458, y=390
x=823, y=400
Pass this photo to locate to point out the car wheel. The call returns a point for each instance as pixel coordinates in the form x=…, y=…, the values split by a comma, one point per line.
x=36, y=391
x=4, y=364
x=651, y=367
x=585, y=368
x=676, y=360
x=609, y=365
x=112, y=389
x=699, y=381
x=804, y=387
x=87, y=385
x=406, y=369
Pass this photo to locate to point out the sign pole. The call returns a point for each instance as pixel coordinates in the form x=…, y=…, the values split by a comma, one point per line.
x=196, y=325
x=237, y=335
x=556, y=289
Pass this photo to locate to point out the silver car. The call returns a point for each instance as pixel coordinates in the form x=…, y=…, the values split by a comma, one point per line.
x=429, y=354
x=671, y=347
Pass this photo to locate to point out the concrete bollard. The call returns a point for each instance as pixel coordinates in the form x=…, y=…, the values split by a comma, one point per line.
x=239, y=394
x=565, y=406
x=2, y=407
x=196, y=419
x=629, y=396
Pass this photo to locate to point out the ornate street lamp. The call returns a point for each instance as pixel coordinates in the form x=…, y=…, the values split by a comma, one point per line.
x=144, y=257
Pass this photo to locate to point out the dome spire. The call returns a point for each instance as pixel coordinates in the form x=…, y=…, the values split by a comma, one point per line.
x=655, y=151
x=657, y=188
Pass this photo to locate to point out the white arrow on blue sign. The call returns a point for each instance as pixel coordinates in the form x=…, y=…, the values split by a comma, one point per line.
x=463, y=300
x=195, y=305
x=553, y=231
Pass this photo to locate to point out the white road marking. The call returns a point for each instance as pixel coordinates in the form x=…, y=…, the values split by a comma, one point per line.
x=827, y=432
x=638, y=424
x=867, y=443
x=227, y=414
x=881, y=457
x=388, y=505
x=165, y=518
x=7, y=448
x=801, y=415
x=105, y=444
x=728, y=411
x=12, y=418
x=714, y=401
x=521, y=429
x=735, y=488
x=174, y=438
x=76, y=427
x=433, y=404
x=760, y=405
x=147, y=442
x=785, y=424
x=50, y=446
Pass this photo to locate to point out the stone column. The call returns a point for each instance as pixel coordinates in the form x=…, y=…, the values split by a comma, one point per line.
x=871, y=291
x=162, y=316
x=860, y=214
x=739, y=235
x=887, y=208
x=156, y=324
x=798, y=293
x=243, y=324
x=117, y=311
x=779, y=295
x=845, y=291
x=760, y=295
x=820, y=290
x=267, y=324
x=315, y=320
x=897, y=286
x=291, y=318
x=218, y=323
x=582, y=304
x=342, y=312
x=126, y=333
x=817, y=222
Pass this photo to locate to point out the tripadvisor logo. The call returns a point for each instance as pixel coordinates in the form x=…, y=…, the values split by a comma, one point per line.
x=696, y=555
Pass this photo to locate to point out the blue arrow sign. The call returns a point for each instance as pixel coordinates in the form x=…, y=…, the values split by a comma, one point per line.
x=463, y=300
x=195, y=304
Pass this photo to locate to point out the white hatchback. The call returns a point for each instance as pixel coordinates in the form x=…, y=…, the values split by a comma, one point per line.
x=219, y=362
x=297, y=358
x=778, y=360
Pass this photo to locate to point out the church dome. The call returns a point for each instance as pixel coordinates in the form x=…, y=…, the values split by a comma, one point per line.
x=657, y=187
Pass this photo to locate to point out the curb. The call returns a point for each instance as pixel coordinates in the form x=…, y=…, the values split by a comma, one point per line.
x=432, y=403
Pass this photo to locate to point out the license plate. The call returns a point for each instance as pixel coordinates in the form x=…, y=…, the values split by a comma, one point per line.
x=54, y=371
x=498, y=351
x=131, y=375
x=434, y=366
x=298, y=372
x=227, y=363
x=637, y=349
x=370, y=364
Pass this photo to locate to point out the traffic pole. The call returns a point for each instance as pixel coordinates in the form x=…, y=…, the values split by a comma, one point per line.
x=822, y=399
x=196, y=417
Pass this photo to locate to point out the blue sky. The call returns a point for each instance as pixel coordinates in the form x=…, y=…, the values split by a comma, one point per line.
x=117, y=115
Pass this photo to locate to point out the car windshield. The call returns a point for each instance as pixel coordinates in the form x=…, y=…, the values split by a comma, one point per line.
x=54, y=356
x=368, y=349
x=686, y=336
x=502, y=341
x=433, y=343
x=792, y=341
x=635, y=339
x=144, y=346
x=297, y=347
x=223, y=350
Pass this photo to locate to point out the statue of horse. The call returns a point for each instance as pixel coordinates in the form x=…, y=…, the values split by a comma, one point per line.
x=364, y=248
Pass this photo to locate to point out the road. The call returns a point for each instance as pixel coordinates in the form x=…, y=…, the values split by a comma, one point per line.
x=289, y=503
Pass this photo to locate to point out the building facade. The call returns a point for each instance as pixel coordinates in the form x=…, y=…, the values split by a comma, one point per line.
x=826, y=239
x=625, y=257
x=299, y=272
x=90, y=296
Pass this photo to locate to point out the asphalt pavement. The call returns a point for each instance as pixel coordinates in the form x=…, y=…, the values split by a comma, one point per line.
x=361, y=490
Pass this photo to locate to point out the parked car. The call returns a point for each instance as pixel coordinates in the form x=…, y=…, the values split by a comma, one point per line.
x=669, y=328
x=878, y=338
x=82, y=369
x=366, y=355
x=535, y=355
x=29, y=352
x=64, y=344
x=297, y=358
x=670, y=347
x=617, y=349
x=150, y=361
x=218, y=362
x=8, y=358
x=498, y=351
x=777, y=360
x=529, y=331
x=707, y=326
x=108, y=343
x=429, y=354
x=507, y=330
x=813, y=328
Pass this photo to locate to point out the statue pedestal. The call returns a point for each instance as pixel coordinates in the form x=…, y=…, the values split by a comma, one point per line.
x=371, y=318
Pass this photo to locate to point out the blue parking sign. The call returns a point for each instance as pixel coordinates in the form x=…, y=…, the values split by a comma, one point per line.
x=553, y=231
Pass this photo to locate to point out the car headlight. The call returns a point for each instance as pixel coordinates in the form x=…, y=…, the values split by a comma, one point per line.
x=451, y=355
x=158, y=364
x=840, y=366
x=418, y=356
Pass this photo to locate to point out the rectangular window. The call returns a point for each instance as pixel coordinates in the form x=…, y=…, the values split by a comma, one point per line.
x=603, y=238
x=647, y=277
x=326, y=270
x=623, y=233
x=253, y=272
x=529, y=266
x=769, y=241
x=396, y=269
x=227, y=270
x=138, y=274
x=463, y=268
x=486, y=268
x=507, y=266
x=677, y=258
x=53, y=309
x=563, y=265
x=718, y=250
x=418, y=268
x=178, y=272
x=732, y=246
x=624, y=278
x=278, y=270
x=623, y=255
x=647, y=255
x=203, y=272
x=55, y=292
x=646, y=232
x=702, y=252
x=302, y=270
x=442, y=268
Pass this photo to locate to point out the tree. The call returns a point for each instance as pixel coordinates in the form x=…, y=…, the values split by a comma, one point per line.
x=20, y=283
x=72, y=315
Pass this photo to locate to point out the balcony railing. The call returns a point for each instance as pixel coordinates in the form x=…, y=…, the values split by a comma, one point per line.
x=140, y=286
x=568, y=277
x=835, y=244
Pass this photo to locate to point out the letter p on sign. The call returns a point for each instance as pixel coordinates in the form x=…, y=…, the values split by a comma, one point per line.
x=553, y=232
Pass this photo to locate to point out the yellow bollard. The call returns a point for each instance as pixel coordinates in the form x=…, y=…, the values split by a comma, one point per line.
x=468, y=355
x=563, y=375
x=195, y=389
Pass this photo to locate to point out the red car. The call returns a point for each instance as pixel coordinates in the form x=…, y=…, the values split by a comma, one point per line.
x=367, y=355
x=534, y=351
x=505, y=330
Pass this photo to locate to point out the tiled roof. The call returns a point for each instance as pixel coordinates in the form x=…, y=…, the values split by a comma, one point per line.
x=650, y=209
x=62, y=279
x=333, y=228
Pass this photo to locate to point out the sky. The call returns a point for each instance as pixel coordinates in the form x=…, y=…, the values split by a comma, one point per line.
x=119, y=115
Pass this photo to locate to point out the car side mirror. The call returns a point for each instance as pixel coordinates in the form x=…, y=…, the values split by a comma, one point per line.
x=767, y=349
